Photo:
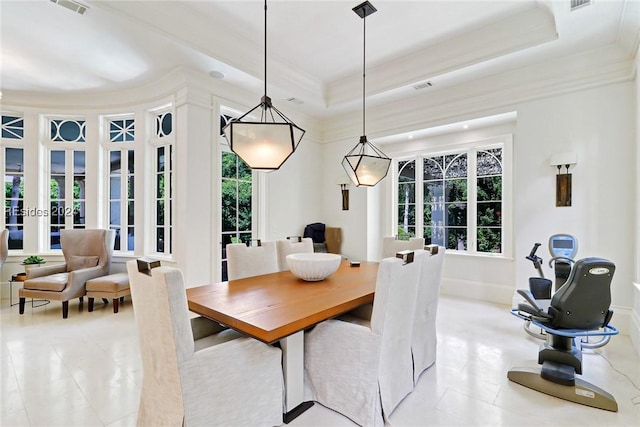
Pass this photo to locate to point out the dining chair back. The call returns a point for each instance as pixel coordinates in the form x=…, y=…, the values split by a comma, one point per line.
x=291, y=246
x=195, y=372
x=424, y=340
x=244, y=261
x=378, y=350
x=391, y=245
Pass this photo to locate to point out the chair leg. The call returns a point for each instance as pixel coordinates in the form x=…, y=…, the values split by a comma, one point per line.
x=116, y=304
x=90, y=304
x=105, y=300
x=122, y=299
x=65, y=309
x=22, y=302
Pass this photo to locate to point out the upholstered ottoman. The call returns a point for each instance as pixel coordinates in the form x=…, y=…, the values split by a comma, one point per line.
x=114, y=287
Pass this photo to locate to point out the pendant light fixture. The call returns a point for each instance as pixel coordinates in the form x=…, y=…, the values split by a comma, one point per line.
x=365, y=164
x=265, y=144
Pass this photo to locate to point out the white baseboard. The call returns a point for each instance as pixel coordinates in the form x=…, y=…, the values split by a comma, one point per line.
x=477, y=290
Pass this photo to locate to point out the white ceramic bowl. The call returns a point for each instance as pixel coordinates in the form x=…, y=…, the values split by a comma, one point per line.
x=313, y=267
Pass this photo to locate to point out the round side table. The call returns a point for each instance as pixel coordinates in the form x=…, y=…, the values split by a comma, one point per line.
x=21, y=277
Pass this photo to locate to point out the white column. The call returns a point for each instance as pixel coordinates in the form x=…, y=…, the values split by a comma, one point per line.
x=195, y=163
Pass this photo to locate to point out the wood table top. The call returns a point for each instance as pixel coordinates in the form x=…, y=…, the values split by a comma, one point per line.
x=273, y=306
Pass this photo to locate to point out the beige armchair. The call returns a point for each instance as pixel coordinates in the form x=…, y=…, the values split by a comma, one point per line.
x=87, y=255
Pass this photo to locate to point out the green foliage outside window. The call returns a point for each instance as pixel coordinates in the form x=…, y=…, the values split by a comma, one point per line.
x=236, y=196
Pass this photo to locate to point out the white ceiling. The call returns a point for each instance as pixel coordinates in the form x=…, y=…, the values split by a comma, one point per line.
x=314, y=47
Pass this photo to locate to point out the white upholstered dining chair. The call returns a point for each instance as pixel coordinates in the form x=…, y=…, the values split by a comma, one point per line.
x=244, y=261
x=195, y=372
x=424, y=341
x=289, y=246
x=391, y=246
x=363, y=368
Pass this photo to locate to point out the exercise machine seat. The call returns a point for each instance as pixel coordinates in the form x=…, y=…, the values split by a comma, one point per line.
x=581, y=303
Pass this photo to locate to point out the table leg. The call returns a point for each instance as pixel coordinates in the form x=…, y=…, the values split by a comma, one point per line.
x=11, y=304
x=293, y=369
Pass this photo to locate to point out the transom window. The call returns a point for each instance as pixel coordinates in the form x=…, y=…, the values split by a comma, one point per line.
x=12, y=126
x=453, y=199
x=67, y=130
x=121, y=130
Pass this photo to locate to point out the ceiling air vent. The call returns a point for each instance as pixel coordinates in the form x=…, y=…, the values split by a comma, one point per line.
x=576, y=4
x=296, y=101
x=421, y=86
x=71, y=5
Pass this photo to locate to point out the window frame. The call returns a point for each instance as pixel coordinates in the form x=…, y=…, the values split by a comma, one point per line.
x=168, y=142
x=505, y=142
x=69, y=148
x=123, y=147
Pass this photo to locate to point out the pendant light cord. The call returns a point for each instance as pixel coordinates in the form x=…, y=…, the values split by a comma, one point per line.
x=364, y=56
x=265, y=48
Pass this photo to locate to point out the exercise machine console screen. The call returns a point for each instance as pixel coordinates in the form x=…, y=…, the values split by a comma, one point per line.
x=563, y=245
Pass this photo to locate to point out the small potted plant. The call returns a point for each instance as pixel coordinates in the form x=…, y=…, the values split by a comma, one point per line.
x=32, y=261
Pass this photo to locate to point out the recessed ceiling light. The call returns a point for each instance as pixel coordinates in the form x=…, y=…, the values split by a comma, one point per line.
x=216, y=74
x=465, y=126
x=410, y=136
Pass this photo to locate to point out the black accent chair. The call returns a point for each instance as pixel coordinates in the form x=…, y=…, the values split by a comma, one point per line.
x=579, y=308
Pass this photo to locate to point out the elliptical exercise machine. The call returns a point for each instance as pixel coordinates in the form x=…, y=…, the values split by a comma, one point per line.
x=563, y=249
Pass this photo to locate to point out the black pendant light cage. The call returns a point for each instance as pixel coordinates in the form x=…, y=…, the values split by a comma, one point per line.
x=265, y=144
x=365, y=164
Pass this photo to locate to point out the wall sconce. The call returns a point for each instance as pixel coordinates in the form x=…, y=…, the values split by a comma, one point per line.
x=343, y=182
x=563, y=180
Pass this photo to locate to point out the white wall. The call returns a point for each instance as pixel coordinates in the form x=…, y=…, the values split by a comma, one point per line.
x=635, y=322
x=293, y=197
x=598, y=124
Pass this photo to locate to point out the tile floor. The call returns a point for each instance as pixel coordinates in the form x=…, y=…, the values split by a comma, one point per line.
x=86, y=371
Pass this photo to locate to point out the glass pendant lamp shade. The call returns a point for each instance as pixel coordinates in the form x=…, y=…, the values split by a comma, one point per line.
x=265, y=144
x=365, y=164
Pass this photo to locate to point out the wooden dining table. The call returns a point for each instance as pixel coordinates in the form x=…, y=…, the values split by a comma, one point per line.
x=278, y=307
